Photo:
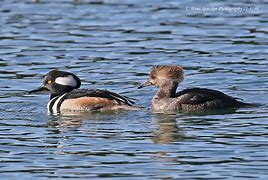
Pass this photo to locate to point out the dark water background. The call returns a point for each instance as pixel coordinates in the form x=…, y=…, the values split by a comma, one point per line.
x=112, y=44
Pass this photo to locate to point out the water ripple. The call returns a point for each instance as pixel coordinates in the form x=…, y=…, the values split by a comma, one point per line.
x=112, y=45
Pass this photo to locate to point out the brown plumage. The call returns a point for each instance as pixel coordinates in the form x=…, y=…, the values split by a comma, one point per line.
x=87, y=103
x=167, y=79
x=174, y=73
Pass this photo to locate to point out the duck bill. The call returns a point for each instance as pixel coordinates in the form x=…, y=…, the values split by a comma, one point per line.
x=41, y=88
x=145, y=84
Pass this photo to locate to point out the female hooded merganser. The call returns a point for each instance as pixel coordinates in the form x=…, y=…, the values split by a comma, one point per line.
x=167, y=79
x=65, y=95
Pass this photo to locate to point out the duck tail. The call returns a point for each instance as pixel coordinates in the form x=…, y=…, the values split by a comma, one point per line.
x=243, y=104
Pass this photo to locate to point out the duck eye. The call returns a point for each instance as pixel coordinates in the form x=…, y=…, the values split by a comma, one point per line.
x=49, y=81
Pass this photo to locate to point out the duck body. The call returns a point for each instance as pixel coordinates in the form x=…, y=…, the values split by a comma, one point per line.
x=196, y=99
x=89, y=100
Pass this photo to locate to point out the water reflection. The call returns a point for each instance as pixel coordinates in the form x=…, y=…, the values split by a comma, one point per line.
x=201, y=112
x=75, y=119
x=167, y=130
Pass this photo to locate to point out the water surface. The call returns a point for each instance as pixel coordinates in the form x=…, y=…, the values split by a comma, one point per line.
x=112, y=45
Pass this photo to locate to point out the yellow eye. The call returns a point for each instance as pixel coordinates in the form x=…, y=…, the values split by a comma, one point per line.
x=49, y=81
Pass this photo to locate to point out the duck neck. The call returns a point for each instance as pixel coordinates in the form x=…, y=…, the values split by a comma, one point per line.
x=53, y=95
x=60, y=90
x=167, y=90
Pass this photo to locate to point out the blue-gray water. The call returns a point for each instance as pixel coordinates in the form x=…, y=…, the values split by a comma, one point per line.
x=112, y=44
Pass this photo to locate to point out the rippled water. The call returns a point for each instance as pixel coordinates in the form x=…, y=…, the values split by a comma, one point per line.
x=112, y=45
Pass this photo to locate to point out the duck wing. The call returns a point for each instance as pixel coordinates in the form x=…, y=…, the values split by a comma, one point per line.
x=203, y=95
x=99, y=93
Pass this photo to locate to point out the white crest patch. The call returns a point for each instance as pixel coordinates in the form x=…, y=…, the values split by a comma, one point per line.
x=66, y=81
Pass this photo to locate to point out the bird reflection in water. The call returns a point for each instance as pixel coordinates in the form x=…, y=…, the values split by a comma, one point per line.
x=75, y=119
x=168, y=131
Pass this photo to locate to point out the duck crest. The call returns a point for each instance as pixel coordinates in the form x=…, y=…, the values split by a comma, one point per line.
x=170, y=72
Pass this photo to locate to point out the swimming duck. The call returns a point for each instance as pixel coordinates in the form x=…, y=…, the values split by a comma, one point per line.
x=168, y=77
x=65, y=95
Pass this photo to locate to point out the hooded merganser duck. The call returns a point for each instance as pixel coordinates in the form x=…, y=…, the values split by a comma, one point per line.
x=167, y=79
x=65, y=95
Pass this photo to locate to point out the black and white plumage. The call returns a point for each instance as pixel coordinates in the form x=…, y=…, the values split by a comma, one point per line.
x=77, y=93
x=97, y=99
x=65, y=95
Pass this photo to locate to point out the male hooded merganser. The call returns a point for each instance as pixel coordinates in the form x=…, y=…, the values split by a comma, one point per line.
x=65, y=95
x=167, y=79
